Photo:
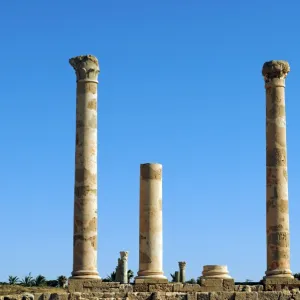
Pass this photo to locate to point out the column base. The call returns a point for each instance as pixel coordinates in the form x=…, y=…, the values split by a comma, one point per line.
x=151, y=277
x=82, y=274
x=285, y=273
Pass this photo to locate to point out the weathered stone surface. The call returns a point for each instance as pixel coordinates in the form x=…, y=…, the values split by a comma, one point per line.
x=278, y=245
x=202, y=296
x=150, y=280
x=216, y=282
x=58, y=296
x=139, y=296
x=141, y=287
x=187, y=287
x=222, y=296
x=215, y=271
x=150, y=238
x=27, y=296
x=246, y=296
x=177, y=287
x=228, y=285
x=85, y=190
x=160, y=287
x=268, y=295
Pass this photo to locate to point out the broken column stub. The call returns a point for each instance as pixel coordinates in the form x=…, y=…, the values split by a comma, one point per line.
x=215, y=271
x=277, y=216
x=124, y=267
x=150, y=238
x=182, y=267
x=85, y=194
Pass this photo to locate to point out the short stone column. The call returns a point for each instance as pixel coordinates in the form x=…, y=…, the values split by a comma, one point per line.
x=177, y=278
x=124, y=267
x=182, y=266
x=150, y=239
x=215, y=271
x=85, y=204
x=278, y=236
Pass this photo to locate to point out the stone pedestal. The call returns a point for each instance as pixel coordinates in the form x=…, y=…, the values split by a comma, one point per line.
x=182, y=266
x=150, y=239
x=215, y=271
x=85, y=204
x=124, y=267
x=278, y=237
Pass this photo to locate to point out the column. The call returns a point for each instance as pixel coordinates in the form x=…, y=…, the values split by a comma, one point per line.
x=182, y=266
x=177, y=278
x=150, y=239
x=277, y=217
x=85, y=204
x=124, y=266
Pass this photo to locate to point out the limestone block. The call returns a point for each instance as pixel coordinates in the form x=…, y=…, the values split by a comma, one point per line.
x=202, y=296
x=150, y=280
x=161, y=287
x=177, y=287
x=27, y=296
x=175, y=296
x=268, y=295
x=126, y=288
x=141, y=287
x=74, y=296
x=246, y=296
x=59, y=296
x=216, y=282
x=222, y=296
x=191, y=296
x=139, y=296
x=191, y=288
x=228, y=285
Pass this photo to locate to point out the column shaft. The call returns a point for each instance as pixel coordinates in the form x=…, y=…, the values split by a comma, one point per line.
x=85, y=202
x=182, y=266
x=277, y=216
x=150, y=239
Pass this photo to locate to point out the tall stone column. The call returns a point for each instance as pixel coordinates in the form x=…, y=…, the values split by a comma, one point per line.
x=150, y=240
x=85, y=204
x=278, y=237
x=182, y=266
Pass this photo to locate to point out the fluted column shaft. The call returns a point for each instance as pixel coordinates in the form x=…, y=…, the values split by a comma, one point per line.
x=85, y=202
x=277, y=216
x=150, y=239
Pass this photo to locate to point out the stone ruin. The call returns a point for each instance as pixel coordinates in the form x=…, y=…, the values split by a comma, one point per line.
x=151, y=283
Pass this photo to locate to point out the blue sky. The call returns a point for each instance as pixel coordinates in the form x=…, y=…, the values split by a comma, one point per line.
x=180, y=84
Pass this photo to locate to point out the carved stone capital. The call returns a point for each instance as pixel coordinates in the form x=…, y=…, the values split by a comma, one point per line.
x=86, y=67
x=124, y=255
x=275, y=69
x=182, y=264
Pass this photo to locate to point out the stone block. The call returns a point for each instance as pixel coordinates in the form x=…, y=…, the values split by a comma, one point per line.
x=177, y=287
x=78, y=285
x=228, y=285
x=202, y=296
x=161, y=287
x=211, y=288
x=217, y=282
x=126, y=288
x=268, y=295
x=187, y=287
x=59, y=296
x=151, y=280
x=139, y=296
x=175, y=296
x=141, y=287
x=222, y=296
x=246, y=296
x=191, y=296
x=74, y=296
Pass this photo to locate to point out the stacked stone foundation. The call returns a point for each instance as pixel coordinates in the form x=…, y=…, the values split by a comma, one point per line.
x=208, y=289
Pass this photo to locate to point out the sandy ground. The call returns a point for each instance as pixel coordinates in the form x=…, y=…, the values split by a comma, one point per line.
x=18, y=289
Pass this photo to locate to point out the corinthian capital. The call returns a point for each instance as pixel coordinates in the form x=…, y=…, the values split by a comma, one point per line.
x=275, y=69
x=86, y=67
x=182, y=264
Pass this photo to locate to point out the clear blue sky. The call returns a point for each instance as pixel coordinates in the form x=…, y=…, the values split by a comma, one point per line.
x=180, y=84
